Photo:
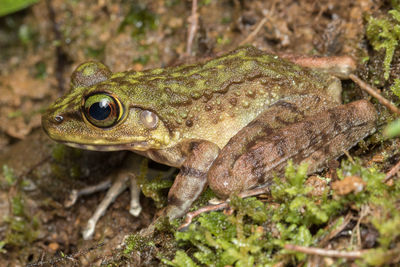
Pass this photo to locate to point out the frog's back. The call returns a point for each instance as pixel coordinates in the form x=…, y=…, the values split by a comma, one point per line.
x=215, y=99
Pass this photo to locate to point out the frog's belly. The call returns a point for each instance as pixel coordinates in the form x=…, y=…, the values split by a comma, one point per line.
x=220, y=133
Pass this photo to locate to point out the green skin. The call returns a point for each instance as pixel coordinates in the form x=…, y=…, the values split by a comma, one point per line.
x=199, y=108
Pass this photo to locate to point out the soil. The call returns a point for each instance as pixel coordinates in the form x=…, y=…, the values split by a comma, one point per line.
x=41, y=45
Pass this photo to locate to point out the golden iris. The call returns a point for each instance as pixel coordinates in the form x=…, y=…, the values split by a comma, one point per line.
x=102, y=110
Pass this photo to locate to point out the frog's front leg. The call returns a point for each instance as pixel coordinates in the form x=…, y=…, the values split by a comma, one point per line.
x=256, y=154
x=192, y=178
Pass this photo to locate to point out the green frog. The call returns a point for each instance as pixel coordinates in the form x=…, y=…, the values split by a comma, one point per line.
x=230, y=123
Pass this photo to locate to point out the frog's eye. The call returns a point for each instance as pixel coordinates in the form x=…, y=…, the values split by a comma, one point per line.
x=102, y=110
x=149, y=119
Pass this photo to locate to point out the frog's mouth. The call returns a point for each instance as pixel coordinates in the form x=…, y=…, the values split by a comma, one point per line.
x=136, y=146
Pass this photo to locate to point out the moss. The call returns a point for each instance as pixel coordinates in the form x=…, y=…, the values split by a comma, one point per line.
x=393, y=129
x=8, y=174
x=256, y=232
x=384, y=33
x=141, y=19
x=203, y=200
x=181, y=260
x=22, y=227
x=155, y=187
x=2, y=244
x=137, y=242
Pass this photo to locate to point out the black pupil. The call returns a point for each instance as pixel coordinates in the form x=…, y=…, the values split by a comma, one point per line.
x=100, y=110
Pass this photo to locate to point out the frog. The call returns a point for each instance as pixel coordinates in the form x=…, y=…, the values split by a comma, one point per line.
x=230, y=123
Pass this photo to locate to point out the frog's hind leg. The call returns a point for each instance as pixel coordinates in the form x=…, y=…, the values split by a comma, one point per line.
x=260, y=151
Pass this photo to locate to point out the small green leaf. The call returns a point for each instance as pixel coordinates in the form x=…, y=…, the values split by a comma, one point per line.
x=392, y=129
x=11, y=6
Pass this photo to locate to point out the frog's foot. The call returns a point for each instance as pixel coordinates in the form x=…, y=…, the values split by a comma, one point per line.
x=135, y=207
x=115, y=190
x=338, y=66
x=75, y=194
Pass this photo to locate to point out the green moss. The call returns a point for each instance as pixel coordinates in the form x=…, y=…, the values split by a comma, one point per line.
x=155, y=187
x=26, y=34
x=41, y=70
x=137, y=242
x=384, y=33
x=203, y=200
x=181, y=260
x=8, y=174
x=141, y=19
x=396, y=87
x=2, y=244
x=22, y=227
x=256, y=232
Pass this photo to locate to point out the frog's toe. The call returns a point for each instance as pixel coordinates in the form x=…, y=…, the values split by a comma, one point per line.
x=135, y=208
x=87, y=232
x=72, y=198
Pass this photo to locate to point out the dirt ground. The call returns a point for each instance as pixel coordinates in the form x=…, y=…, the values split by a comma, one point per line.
x=39, y=48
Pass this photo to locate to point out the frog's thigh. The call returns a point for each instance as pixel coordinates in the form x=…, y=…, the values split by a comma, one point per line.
x=220, y=177
x=250, y=161
x=192, y=178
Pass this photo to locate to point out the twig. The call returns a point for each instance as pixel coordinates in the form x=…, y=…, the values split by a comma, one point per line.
x=325, y=252
x=336, y=231
x=223, y=205
x=193, y=21
x=392, y=172
x=374, y=92
x=363, y=213
x=348, y=156
x=253, y=34
x=189, y=217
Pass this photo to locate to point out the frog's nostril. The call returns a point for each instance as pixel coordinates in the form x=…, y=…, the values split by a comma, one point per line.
x=58, y=118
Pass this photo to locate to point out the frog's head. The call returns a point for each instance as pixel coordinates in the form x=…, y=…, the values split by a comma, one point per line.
x=97, y=115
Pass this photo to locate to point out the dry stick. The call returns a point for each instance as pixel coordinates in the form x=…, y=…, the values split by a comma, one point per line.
x=374, y=92
x=193, y=20
x=392, y=172
x=335, y=232
x=349, y=157
x=253, y=34
x=223, y=205
x=191, y=215
x=325, y=252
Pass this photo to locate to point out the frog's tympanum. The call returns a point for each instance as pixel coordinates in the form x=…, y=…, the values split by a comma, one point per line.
x=230, y=123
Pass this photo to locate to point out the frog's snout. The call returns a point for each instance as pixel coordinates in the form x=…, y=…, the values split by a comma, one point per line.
x=51, y=120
